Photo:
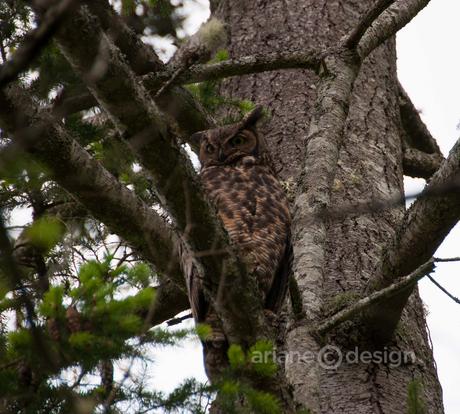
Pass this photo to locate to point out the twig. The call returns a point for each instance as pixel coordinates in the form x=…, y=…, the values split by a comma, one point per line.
x=355, y=35
x=2, y=51
x=376, y=297
x=447, y=259
x=189, y=58
x=35, y=42
x=177, y=321
x=455, y=299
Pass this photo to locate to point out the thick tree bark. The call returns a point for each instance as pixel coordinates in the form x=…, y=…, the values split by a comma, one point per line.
x=369, y=167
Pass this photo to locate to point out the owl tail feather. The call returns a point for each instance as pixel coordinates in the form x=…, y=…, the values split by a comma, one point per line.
x=215, y=348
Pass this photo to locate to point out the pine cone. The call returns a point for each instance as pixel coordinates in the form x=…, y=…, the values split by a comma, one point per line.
x=53, y=329
x=73, y=319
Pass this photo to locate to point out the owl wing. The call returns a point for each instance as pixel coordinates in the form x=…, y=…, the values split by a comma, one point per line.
x=198, y=302
x=202, y=310
x=277, y=293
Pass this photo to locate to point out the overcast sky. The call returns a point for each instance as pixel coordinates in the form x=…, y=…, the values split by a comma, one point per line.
x=429, y=69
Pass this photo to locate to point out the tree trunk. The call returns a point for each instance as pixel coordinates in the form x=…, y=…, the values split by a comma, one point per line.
x=370, y=167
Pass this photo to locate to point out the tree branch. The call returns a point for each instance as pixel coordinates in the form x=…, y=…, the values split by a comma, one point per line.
x=339, y=69
x=416, y=135
x=310, y=59
x=376, y=298
x=177, y=102
x=424, y=227
x=209, y=38
x=142, y=58
x=136, y=116
x=35, y=41
x=138, y=119
x=204, y=72
x=169, y=301
x=325, y=136
x=389, y=23
x=447, y=260
x=428, y=220
x=85, y=178
x=456, y=300
x=322, y=152
x=353, y=38
x=420, y=164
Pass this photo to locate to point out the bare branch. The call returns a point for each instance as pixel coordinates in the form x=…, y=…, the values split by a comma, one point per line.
x=141, y=57
x=416, y=135
x=448, y=259
x=64, y=106
x=322, y=152
x=456, y=300
x=155, y=82
x=338, y=71
x=389, y=23
x=35, y=41
x=74, y=169
x=376, y=298
x=354, y=37
x=139, y=120
x=428, y=220
x=177, y=102
x=313, y=198
x=344, y=210
x=176, y=321
x=420, y=164
x=240, y=66
x=169, y=301
x=100, y=64
x=424, y=227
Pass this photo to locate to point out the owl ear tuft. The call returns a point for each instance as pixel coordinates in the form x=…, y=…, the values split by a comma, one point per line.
x=251, y=119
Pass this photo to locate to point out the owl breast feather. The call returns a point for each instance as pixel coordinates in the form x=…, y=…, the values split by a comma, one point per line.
x=255, y=212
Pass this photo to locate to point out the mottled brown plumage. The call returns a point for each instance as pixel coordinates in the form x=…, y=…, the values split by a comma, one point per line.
x=239, y=181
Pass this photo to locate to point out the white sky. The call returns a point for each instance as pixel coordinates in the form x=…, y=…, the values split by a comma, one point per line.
x=429, y=69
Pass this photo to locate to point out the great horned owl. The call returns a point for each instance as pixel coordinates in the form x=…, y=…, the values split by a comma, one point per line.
x=238, y=178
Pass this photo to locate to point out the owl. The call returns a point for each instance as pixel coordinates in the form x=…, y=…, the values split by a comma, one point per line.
x=238, y=179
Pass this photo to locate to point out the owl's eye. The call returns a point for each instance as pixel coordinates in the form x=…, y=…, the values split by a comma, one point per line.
x=237, y=140
x=210, y=148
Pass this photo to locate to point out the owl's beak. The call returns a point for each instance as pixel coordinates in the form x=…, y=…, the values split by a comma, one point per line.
x=220, y=155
